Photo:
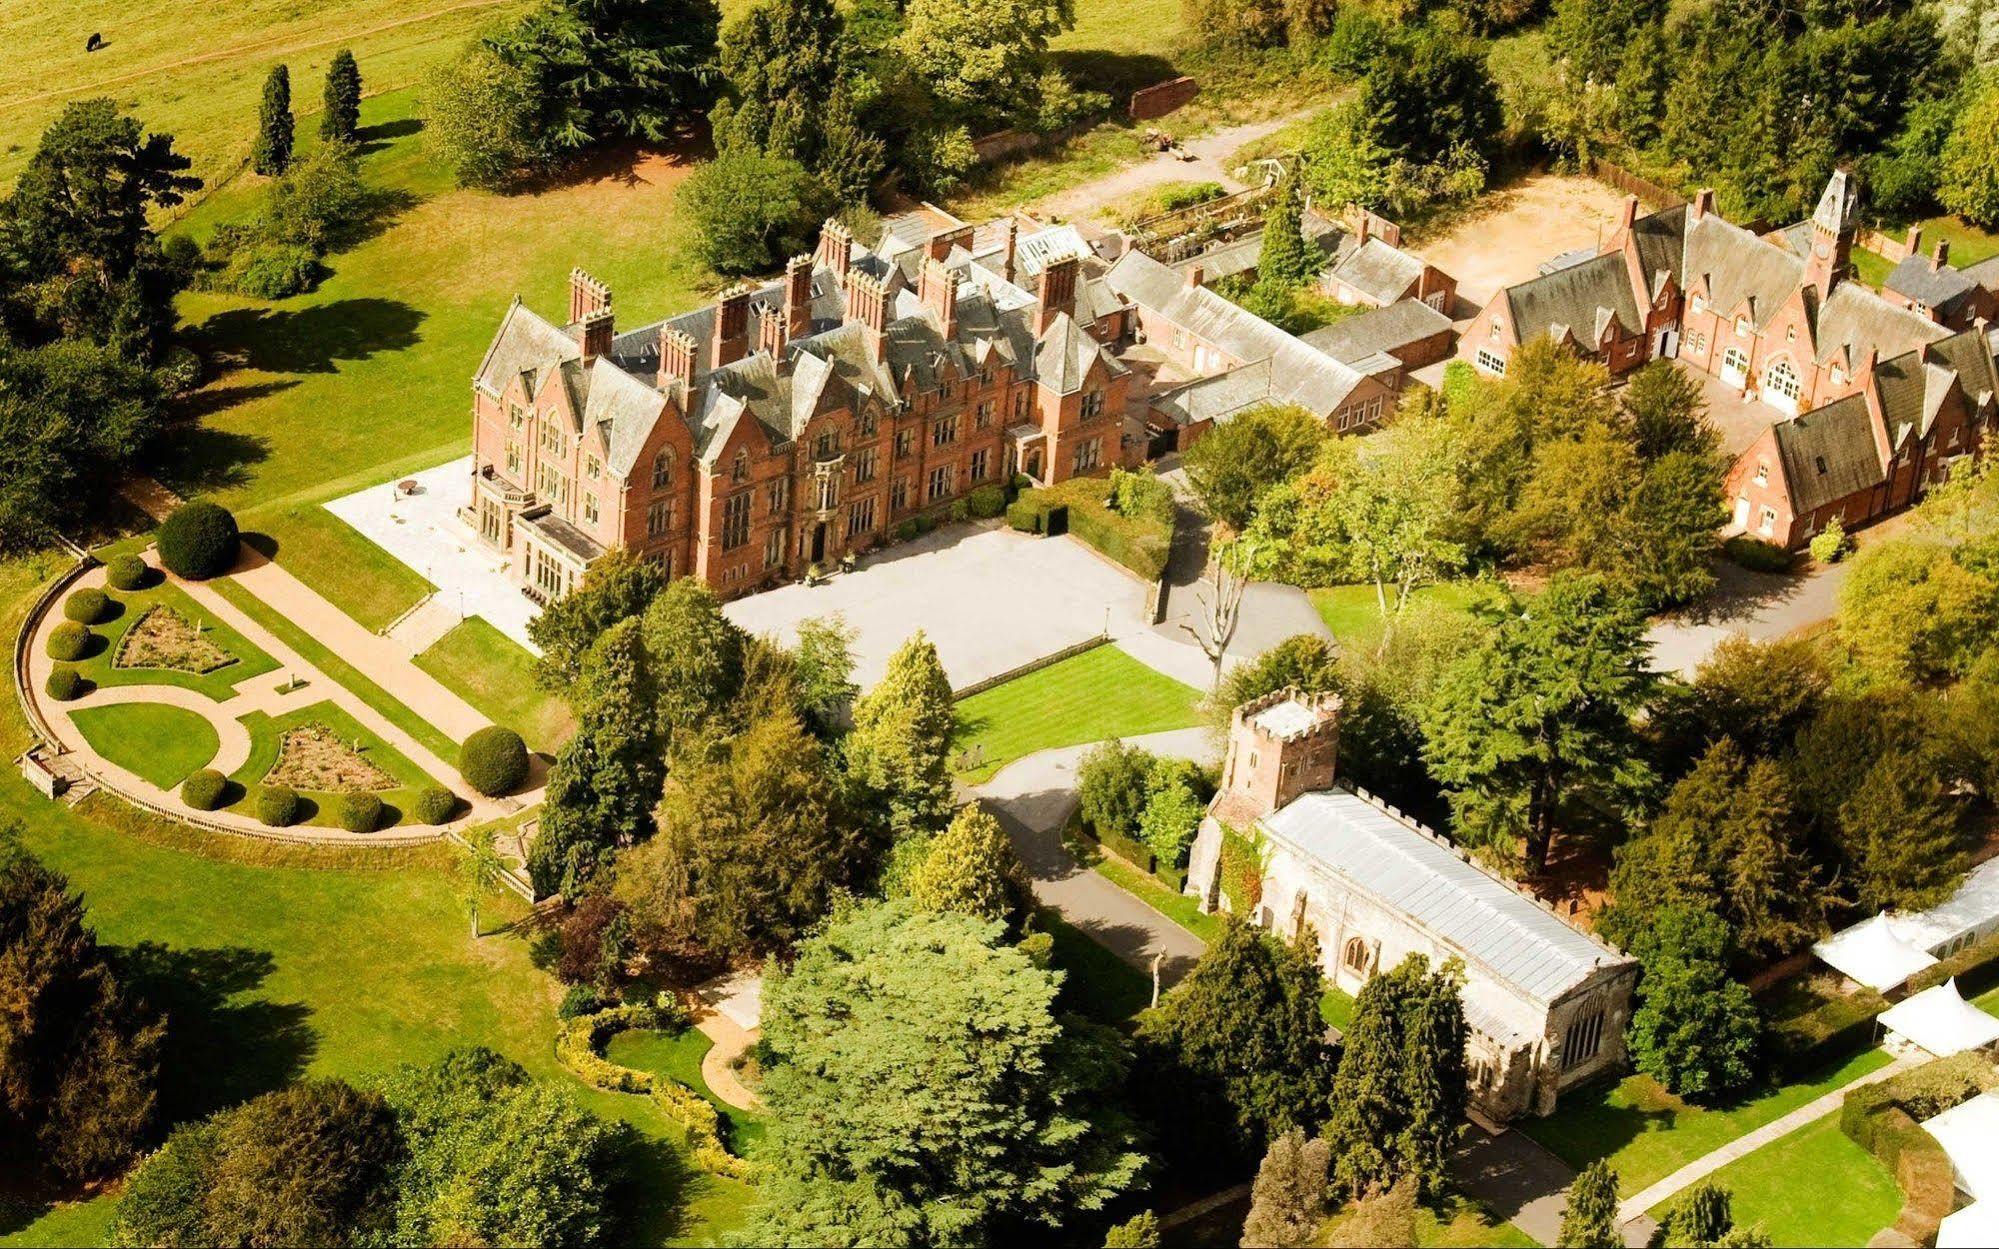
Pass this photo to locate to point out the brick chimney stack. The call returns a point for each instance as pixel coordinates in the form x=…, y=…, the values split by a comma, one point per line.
x=938, y=288
x=732, y=326
x=836, y=248
x=1703, y=204
x=1940, y=256
x=1628, y=215
x=1912, y=242
x=773, y=330
x=1010, y=248
x=586, y=295
x=798, y=296
x=1058, y=291
x=1193, y=277
x=867, y=304
x=676, y=360
x=594, y=334
x=1281, y=745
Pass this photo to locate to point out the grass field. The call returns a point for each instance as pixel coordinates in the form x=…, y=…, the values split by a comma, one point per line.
x=159, y=743
x=492, y=672
x=677, y=1056
x=1813, y=1187
x=1646, y=1133
x=318, y=806
x=1354, y=616
x=338, y=669
x=1099, y=694
x=1968, y=246
x=220, y=684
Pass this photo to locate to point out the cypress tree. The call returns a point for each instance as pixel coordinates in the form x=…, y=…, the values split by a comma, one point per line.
x=1286, y=260
x=1399, y=1093
x=341, y=120
x=1434, y=1078
x=273, y=153
x=899, y=749
x=1589, y=1221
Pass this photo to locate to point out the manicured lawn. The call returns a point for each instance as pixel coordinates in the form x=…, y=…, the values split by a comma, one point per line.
x=338, y=669
x=1646, y=1133
x=1178, y=907
x=265, y=734
x=1354, y=617
x=1968, y=246
x=1099, y=984
x=132, y=604
x=1455, y=1222
x=492, y=672
x=677, y=1056
x=1813, y=1187
x=1100, y=694
x=159, y=743
x=1336, y=1007
x=334, y=558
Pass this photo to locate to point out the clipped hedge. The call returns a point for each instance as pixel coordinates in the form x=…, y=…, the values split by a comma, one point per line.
x=67, y=641
x=986, y=502
x=204, y=789
x=1757, y=555
x=64, y=683
x=360, y=813
x=434, y=805
x=87, y=606
x=277, y=806
x=1806, y=1040
x=126, y=572
x=200, y=540
x=1141, y=542
x=579, y=1044
x=1886, y=1120
x=493, y=761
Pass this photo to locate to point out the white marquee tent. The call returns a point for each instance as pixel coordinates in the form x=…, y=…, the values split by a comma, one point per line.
x=1873, y=955
x=1966, y=1133
x=1939, y=1021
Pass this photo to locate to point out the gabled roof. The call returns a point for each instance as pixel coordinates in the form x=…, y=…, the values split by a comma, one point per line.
x=1383, y=329
x=1067, y=354
x=1829, y=453
x=1418, y=876
x=525, y=344
x=1578, y=300
x=1854, y=319
x=1377, y=270
x=1739, y=270
x=1933, y=286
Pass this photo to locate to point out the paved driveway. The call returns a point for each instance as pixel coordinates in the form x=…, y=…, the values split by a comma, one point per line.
x=1756, y=605
x=990, y=600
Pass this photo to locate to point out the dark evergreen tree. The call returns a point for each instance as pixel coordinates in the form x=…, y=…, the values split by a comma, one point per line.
x=607, y=779
x=1287, y=260
x=273, y=153
x=1237, y=1049
x=898, y=753
x=1696, y=1030
x=619, y=585
x=696, y=653
x=340, y=119
x=1399, y=1094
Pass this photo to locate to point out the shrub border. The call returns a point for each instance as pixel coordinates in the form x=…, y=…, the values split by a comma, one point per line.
x=578, y=1046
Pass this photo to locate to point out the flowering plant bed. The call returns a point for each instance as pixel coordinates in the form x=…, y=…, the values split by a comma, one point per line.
x=163, y=638
x=313, y=757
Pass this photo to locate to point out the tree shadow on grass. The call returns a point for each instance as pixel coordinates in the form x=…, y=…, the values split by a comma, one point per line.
x=1114, y=73
x=372, y=139
x=198, y=459
x=308, y=340
x=224, y=1044
x=651, y=1190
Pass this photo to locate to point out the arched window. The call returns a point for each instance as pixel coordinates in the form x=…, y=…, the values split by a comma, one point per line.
x=662, y=469
x=740, y=470
x=1354, y=956
x=1781, y=380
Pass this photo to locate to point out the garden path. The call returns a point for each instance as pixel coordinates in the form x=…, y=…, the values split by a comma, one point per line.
x=1700, y=1168
x=266, y=693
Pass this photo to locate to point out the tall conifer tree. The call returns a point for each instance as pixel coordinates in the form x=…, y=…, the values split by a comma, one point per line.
x=341, y=119
x=273, y=154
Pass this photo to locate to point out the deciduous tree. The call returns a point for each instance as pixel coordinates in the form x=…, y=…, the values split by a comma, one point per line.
x=1696, y=1030
x=1288, y=1201
x=1240, y=459
x=696, y=654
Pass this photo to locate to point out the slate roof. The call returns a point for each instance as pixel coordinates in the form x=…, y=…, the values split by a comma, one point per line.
x=525, y=344
x=1828, y=453
x=1738, y=268
x=1985, y=273
x=563, y=534
x=1856, y=318
x=1469, y=911
x=1939, y=288
x=1382, y=330
x=1578, y=300
x=1377, y=270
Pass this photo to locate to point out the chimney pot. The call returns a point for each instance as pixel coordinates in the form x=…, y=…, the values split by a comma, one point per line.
x=1058, y=291
x=836, y=247
x=594, y=334
x=586, y=295
x=732, y=326
x=1194, y=276
x=676, y=359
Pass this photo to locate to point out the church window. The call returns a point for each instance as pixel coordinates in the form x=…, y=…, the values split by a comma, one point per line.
x=662, y=469
x=1583, y=1040
x=1356, y=956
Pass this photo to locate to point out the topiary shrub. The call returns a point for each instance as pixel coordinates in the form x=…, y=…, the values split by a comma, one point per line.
x=64, y=683
x=277, y=806
x=199, y=541
x=907, y=530
x=493, y=761
x=203, y=791
x=961, y=510
x=1829, y=545
x=986, y=502
x=1757, y=555
x=434, y=805
x=68, y=641
x=86, y=606
x=1024, y=515
x=126, y=572
x=360, y=813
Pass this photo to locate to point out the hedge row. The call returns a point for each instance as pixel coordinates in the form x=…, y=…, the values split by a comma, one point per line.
x=1138, y=854
x=1885, y=1119
x=578, y=1046
x=1141, y=543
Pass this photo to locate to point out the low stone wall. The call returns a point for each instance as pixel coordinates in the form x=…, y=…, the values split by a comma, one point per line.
x=1162, y=98
x=1033, y=665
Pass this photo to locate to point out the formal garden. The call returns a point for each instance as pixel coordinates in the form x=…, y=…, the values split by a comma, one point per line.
x=1101, y=693
x=156, y=635
x=321, y=754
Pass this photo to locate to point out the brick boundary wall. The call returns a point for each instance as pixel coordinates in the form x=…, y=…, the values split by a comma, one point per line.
x=1033, y=665
x=1162, y=98
x=1894, y=249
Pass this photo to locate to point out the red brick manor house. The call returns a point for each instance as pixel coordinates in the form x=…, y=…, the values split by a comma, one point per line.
x=1870, y=400
x=789, y=424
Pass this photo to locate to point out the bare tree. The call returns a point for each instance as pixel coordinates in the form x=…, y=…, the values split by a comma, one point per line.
x=1221, y=605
